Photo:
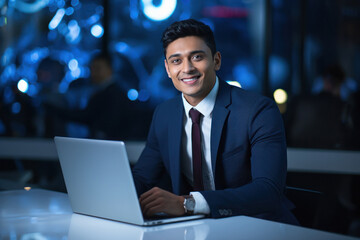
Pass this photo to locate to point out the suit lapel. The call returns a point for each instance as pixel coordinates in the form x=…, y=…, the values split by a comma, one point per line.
x=219, y=116
x=175, y=126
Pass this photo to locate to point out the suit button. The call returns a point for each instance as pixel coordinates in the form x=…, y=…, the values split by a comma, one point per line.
x=221, y=212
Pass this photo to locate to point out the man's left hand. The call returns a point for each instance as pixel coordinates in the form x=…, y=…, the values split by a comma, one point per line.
x=157, y=200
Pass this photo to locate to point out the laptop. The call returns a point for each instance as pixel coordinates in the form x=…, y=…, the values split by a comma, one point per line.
x=99, y=181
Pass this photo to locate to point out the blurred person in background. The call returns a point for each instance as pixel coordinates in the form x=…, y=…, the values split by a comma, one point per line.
x=108, y=111
x=322, y=120
x=50, y=72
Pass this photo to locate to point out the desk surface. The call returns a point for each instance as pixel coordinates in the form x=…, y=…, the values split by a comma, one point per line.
x=42, y=214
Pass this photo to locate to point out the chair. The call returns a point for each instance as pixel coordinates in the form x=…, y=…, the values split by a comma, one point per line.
x=306, y=203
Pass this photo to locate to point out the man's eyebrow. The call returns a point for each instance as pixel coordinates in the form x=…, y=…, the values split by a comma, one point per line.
x=197, y=51
x=191, y=53
x=174, y=55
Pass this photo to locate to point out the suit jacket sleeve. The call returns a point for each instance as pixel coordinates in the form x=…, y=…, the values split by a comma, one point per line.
x=263, y=193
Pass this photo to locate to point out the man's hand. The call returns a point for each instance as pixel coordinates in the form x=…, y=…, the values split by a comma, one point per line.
x=158, y=200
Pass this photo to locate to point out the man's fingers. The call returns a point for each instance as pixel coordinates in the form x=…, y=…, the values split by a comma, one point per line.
x=150, y=193
x=148, y=197
x=153, y=207
x=158, y=200
x=149, y=202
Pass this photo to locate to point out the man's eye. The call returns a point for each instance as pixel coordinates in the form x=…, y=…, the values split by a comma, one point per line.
x=176, y=61
x=197, y=57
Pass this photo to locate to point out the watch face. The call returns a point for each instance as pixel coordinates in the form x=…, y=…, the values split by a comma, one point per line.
x=190, y=204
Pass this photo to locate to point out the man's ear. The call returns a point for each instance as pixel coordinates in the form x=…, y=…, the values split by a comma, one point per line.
x=217, y=61
x=167, y=68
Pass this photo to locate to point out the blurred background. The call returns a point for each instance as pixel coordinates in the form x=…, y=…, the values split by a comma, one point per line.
x=47, y=46
x=95, y=69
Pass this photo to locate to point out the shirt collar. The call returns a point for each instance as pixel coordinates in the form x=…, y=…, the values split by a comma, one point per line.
x=206, y=106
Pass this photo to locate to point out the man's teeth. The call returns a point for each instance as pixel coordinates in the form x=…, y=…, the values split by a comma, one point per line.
x=189, y=79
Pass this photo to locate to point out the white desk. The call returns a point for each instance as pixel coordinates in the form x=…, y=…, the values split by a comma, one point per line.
x=41, y=214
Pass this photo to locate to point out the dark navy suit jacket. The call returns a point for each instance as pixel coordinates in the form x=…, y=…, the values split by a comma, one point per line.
x=248, y=154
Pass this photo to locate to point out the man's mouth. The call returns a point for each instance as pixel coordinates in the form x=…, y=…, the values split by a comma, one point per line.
x=190, y=80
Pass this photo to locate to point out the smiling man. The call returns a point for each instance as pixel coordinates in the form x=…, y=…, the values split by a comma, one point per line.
x=215, y=149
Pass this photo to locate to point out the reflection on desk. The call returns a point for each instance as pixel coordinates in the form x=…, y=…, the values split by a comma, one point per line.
x=84, y=227
x=41, y=214
x=34, y=214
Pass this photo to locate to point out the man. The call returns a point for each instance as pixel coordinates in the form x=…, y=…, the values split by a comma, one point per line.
x=50, y=73
x=321, y=120
x=243, y=150
x=108, y=110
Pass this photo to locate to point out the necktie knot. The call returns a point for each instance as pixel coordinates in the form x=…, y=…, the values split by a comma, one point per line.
x=195, y=115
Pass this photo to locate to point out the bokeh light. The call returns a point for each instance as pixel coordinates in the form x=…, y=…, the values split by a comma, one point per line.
x=280, y=96
x=23, y=85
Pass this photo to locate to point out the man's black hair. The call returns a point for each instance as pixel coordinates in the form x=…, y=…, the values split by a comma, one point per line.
x=186, y=28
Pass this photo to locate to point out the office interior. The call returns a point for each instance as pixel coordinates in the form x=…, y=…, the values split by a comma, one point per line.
x=303, y=54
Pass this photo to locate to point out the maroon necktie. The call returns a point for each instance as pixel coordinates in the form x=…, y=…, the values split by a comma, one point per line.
x=196, y=149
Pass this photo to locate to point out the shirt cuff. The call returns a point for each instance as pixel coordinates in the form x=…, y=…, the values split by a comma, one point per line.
x=201, y=206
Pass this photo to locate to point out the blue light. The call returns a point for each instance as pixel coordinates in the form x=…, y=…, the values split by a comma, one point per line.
x=161, y=12
x=3, y=21
x=73, y=64
x=54, y=23
x=278, y=71
x=99, y=10
x=63, y=86
x=7, y=56
x=15, y=107
x=147, y=24
x=93, y=19
x=35, y=56
x=134, y=11
x=121, y=47
x=97, y=31
x=2, y=2
x=60, y=3
x=144, y=95
x=69, y=11
x=73, y=35
x=32, y=91
x=133, y=94
x=8, y=73
x=74, y=3
x=76, y=73
x=245, y=76
x=32, y=7
x=23, y=85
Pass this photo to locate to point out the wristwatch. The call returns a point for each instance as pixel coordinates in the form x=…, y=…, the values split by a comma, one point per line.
x=189, y=204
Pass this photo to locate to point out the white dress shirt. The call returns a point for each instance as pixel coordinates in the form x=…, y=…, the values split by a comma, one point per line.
x=205, y=107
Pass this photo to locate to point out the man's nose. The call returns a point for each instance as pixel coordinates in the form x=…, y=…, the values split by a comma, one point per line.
x=188, y=66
